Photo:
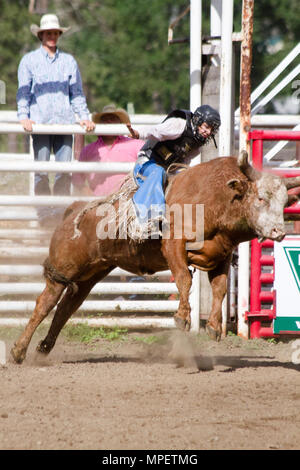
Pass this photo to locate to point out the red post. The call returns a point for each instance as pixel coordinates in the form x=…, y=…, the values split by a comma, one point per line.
x=274, y=135
x=256, y=314
x=255, y=287
x=257, y=154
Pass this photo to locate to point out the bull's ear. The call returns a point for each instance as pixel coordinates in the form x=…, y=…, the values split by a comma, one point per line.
x=237, y=185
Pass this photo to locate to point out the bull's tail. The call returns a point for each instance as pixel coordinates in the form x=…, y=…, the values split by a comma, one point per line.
x=55, y=276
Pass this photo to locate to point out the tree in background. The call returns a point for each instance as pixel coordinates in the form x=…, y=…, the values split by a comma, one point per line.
x=276, y=31
x=16, y=39
x=124, y=53
x=122, y=47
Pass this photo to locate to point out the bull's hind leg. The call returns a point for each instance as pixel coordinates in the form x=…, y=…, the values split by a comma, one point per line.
x=218, y=282
x=44, y=304
x=67, y=306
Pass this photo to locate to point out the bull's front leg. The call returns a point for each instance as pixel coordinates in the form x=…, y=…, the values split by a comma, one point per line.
x=176, y=255
x=218, y=282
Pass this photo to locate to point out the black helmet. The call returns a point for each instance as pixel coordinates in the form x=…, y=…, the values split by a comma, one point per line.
x=209, y=115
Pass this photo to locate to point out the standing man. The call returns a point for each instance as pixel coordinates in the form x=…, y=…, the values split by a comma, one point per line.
x=50, y=92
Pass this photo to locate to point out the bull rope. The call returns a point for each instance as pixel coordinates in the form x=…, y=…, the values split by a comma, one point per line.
x=55, y=276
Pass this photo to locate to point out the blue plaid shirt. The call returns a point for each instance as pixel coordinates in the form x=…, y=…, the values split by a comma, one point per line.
x=50, y=88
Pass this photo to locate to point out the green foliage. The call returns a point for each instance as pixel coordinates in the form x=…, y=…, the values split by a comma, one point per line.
x=86, y=334
x=122, y=48
x=150, y=339
x=128, y=58
x=276, y=22
x=16, y=39
x=272, y=340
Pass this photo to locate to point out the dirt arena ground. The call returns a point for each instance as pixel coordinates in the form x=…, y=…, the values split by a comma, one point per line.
x=179, y=393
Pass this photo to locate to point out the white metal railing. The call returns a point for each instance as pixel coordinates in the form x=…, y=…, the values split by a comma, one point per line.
x=257, y=120
x=41, y=200
x=277, y=119
x=107, y=306
x=139, y=119
x=64, y=129
x=273, y=75
x=37, y=270
x=104, y=288
x=282, y=84
x=120, y=322
x=67, y=167
x=21, y=208
x=279, y=146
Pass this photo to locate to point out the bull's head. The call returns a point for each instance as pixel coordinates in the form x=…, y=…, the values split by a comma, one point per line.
x=268, y=200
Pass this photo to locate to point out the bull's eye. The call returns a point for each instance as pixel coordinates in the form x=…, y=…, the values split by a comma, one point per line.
x=263, y=201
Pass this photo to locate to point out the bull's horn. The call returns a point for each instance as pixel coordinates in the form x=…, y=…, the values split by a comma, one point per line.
x=246, y=168
x=243, y=159
x=291, y=182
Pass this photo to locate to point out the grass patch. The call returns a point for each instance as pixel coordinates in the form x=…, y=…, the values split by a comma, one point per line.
x=87, y=334
x=151, y=339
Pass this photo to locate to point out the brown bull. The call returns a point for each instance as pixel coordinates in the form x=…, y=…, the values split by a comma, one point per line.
x=240, y=204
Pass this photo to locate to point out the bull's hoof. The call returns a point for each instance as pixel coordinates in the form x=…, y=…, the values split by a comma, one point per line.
x=182, y=324
x=18, y=354
x=43, y=347
x=213, y=334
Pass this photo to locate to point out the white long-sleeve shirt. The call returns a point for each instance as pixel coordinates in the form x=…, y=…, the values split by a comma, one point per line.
x=170, y=129
x=50, y=88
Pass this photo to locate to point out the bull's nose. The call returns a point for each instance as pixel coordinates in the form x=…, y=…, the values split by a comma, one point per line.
x=278, y=235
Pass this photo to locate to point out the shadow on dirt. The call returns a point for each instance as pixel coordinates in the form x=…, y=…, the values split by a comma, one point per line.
x=202, y=363
x=177, y=349
x=234, y=363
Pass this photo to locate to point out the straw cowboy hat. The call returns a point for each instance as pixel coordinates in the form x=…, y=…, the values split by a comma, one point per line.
x=47, y=22
x=111, y=109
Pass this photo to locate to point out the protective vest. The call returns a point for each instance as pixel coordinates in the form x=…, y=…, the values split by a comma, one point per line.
x=170, y=151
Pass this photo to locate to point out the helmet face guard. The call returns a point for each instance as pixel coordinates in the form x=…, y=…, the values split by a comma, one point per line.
x=208, y=115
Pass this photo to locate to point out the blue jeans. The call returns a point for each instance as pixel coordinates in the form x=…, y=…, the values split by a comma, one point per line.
x=62, y=149
x=149, y=198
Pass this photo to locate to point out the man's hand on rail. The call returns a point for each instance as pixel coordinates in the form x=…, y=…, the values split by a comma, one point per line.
x=27, y=124
x=89, y=125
